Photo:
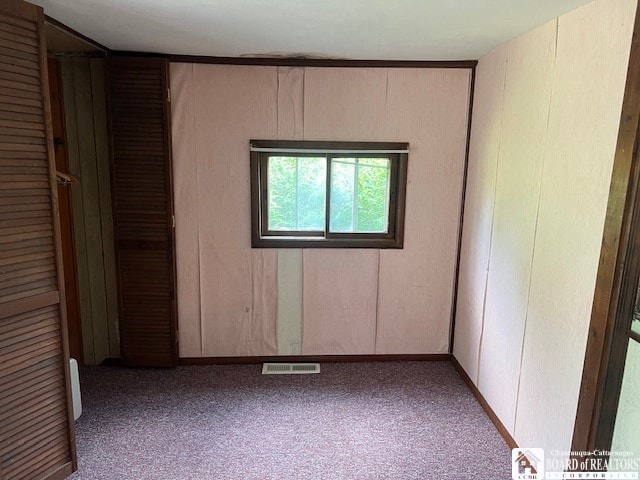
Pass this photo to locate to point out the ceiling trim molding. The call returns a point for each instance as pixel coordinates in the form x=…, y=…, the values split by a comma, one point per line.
x=303, y=62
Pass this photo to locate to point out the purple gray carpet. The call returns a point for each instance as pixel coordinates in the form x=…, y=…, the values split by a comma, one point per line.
x=411, y=420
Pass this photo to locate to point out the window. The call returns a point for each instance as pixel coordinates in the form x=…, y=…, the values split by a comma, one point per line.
x=327, y=194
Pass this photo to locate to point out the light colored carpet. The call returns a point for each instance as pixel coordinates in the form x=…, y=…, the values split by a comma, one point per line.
x=386, y=420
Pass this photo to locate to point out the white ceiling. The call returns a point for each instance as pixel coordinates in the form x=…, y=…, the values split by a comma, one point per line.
x=354, y=29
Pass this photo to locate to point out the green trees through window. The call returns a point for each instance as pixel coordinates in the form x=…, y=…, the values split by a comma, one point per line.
x=297, y=189
x=359, y=194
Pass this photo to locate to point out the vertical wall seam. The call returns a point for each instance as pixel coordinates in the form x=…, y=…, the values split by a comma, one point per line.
x=304, y=97
x=493, y=214
x=278, y=103
x=301, y=301
x=484, y=307
x=386, y=94
x=195, y=165
x=278, y=300
x=295, y=115
x=375, y=329
x=535, y=230
x=252, y=318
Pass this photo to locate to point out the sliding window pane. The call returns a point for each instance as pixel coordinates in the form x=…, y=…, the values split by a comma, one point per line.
x=296, y=192
x=360, y=195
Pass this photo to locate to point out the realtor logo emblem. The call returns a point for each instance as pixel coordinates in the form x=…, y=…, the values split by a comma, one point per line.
x=527, y=464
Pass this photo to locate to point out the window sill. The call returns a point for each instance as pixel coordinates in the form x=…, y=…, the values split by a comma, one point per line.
x=315, y=242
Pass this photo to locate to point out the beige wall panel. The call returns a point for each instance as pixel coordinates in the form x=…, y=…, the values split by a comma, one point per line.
x=345, y=104
x=234, y=104
x=239, y=303
x=413, y=317
x=486, y=126
x=590, y=72
x=428, y=108
x=527, y=97
x=227, y=299
x=186, y=204
x=242, y=310
x=263, y=334
x=238, y=300
x=339, y=301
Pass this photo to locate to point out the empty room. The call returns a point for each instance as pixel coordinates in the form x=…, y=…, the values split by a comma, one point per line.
x=330, y=240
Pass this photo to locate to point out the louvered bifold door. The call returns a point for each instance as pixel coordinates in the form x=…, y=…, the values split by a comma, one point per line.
x=142, y=206
x=36, y=424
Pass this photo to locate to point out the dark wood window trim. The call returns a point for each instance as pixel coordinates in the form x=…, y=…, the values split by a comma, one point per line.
x=261, y=237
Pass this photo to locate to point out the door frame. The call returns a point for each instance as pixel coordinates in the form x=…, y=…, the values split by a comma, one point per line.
x=617, y=278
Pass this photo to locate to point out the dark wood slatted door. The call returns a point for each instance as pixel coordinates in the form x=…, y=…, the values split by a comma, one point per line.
x=36, y=422
x=143, y=209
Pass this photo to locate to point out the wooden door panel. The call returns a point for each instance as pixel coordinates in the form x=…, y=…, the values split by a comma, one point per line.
x=36, y=422
x=143, y=211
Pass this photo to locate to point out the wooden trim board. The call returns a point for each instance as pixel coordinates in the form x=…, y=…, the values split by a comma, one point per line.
x=485, y=405
x=456, y=278
x=304, y=62
x=437, y=357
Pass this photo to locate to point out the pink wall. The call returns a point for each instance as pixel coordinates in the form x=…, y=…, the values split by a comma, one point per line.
x=351, y=301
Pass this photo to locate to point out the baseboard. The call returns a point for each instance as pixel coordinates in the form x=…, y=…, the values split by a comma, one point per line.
x=481, y=400
x=435, y=357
